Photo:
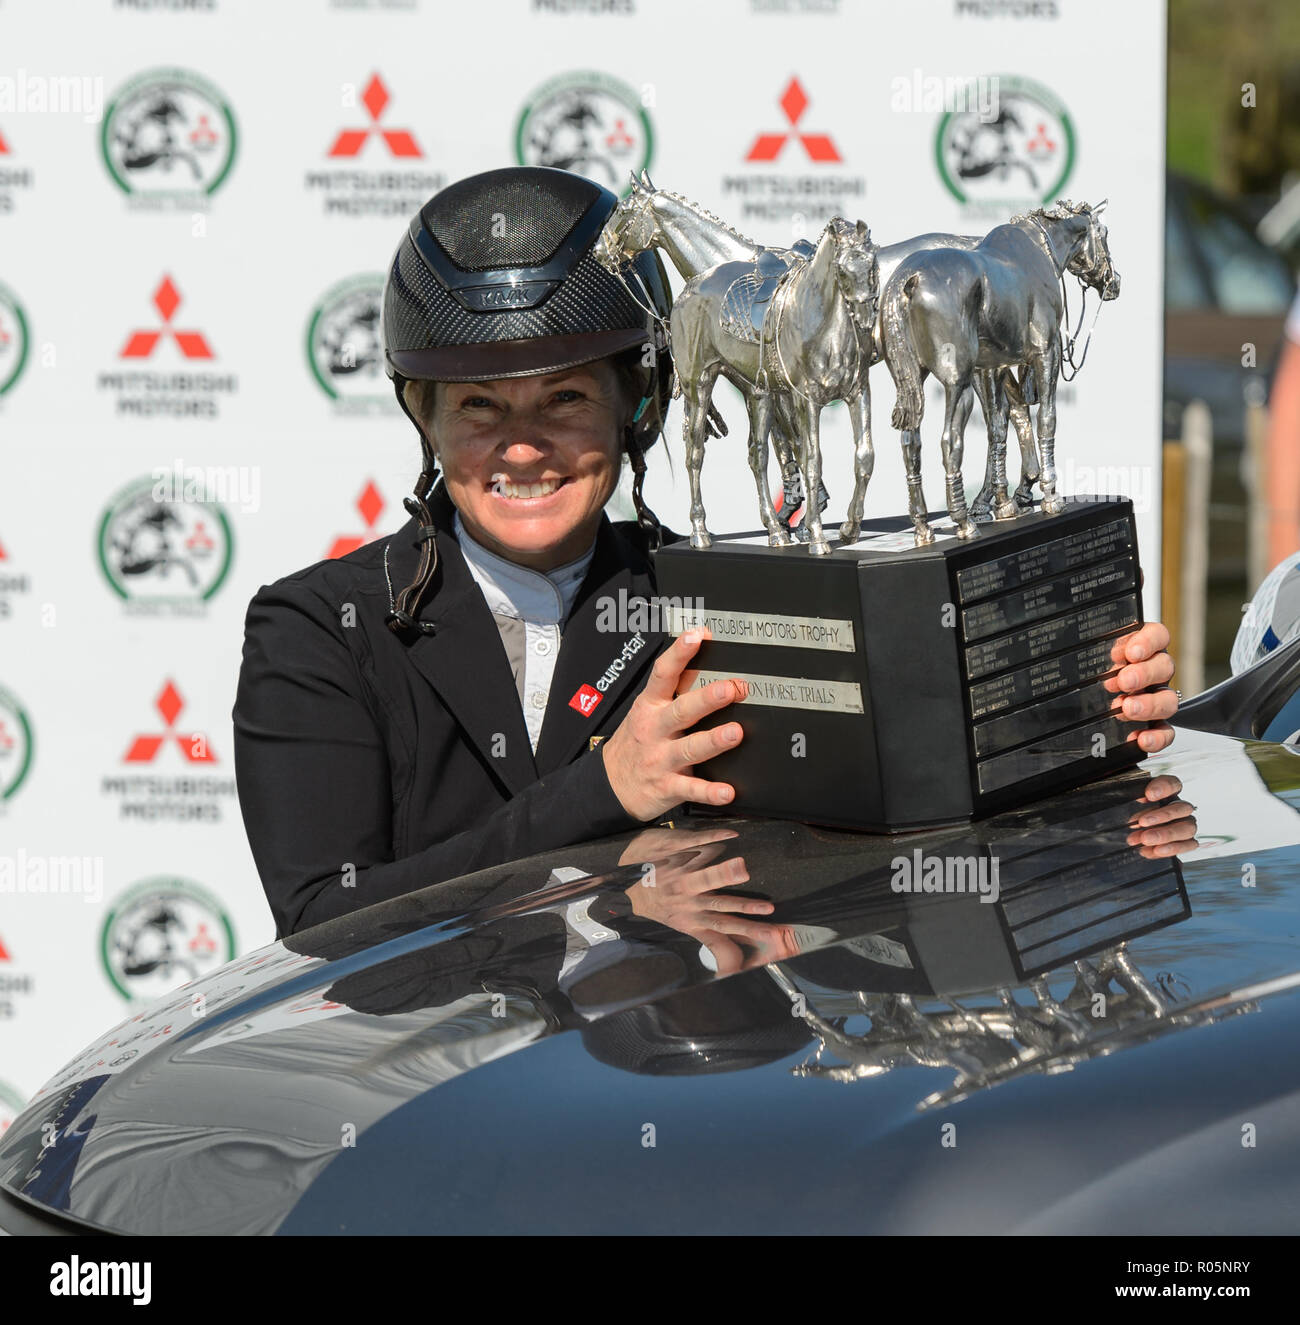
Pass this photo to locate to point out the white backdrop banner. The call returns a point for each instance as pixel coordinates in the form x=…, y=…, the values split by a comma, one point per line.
x=198, y=201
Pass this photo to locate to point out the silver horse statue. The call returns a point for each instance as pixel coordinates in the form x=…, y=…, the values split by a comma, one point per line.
x=999, y=305
x=694, y=239
x=804, y=333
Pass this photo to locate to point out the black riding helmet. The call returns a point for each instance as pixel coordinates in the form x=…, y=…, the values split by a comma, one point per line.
x=496, y=277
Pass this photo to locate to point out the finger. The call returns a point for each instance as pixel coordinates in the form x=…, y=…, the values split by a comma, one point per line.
x=1160, y=787
x=1153, y=739
x=1181, y=831
x=1162, y=814
x=702, y=792
x=682, y=839
x=1141, y=676
x=726, y=874
x=695, y=747
x=730, y=904
x=667, y=669
x=1168, y=849
x=757, y=933
x=695, y=703
x=1156, y=705
x=1143, y=643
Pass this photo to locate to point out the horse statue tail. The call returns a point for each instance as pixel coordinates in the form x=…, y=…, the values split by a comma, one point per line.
x=901, y=357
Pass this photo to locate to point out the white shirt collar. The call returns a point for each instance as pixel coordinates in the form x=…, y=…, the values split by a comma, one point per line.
x=517, y=591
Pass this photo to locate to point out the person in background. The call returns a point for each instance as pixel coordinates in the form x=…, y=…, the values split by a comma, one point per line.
x=1272, y=617
x=1282, y=448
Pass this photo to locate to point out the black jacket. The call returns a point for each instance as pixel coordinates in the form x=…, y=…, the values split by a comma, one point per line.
x=370, y=765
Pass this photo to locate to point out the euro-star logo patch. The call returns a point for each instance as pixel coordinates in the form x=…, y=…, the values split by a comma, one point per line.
x=585, y=698
x=399, y=142
x=141, y=344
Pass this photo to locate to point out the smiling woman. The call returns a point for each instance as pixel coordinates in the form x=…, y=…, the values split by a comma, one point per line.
x=389, y=737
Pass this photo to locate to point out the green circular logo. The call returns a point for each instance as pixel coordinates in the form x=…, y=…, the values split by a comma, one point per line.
x=168, y=132
x=163, y=932
x=589, y=123
x=344, y=346
x=14, y=339
x=161, y=540
x=16, y=745
x=1006, y=152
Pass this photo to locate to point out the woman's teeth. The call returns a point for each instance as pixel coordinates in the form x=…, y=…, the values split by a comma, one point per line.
x=504, y=487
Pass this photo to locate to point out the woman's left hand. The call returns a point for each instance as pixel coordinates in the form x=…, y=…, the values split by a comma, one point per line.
x=1148, y=664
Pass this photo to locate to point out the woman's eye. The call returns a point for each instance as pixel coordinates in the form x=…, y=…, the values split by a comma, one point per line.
x=567, y=395
x=476, y=402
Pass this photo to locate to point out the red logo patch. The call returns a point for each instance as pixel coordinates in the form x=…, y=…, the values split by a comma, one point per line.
x=585, y=698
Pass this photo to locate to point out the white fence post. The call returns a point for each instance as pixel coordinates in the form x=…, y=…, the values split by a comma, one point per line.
x=1198, y=447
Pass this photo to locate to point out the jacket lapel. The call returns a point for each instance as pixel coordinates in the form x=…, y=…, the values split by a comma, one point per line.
x=464, y=659
x=606, y=646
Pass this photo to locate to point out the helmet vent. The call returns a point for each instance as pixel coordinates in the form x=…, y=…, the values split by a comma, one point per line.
x=507, y=218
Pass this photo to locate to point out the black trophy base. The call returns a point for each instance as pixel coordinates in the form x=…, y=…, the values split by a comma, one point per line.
x=895, y=687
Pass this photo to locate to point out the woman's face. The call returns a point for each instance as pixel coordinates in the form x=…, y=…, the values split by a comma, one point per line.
x=531, y=461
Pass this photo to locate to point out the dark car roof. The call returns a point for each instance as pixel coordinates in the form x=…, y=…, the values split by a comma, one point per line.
x=1081, y=1054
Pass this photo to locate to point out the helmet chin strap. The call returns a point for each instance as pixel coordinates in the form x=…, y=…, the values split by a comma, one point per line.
x=404, y=608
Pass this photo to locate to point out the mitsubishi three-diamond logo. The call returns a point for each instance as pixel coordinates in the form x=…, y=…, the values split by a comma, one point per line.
x=192, y=344
x=193, y=745
x=370, y=503
x=768, y=146
x=400, y=142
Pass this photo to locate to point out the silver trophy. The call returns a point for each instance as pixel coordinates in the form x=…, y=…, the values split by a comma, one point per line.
x=999, y=305
x=795, y=328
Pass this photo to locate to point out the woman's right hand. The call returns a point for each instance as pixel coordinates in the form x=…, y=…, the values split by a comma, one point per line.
x=648, y=760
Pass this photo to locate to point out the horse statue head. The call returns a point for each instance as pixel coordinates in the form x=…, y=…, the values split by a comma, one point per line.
x=1089, y=258
x=1092, y=264
x=857, y=270
x=631, y=228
